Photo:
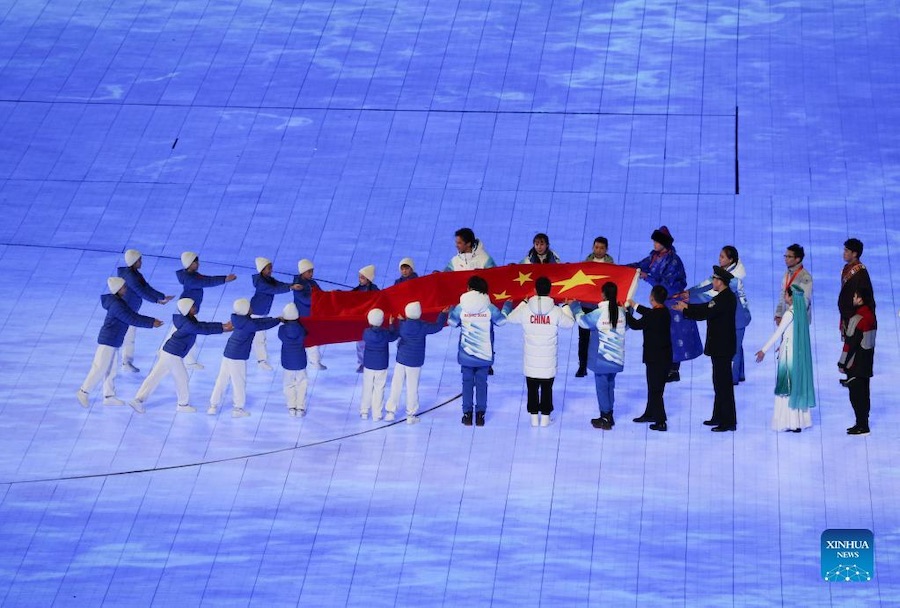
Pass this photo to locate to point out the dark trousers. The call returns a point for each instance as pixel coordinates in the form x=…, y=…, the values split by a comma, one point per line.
x=656, y=385
x=540, y=395
x=860, y=400
x=584, y=338
x=724, y=412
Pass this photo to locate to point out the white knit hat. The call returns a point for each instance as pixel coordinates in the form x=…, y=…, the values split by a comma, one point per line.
x=115, y=284
x=185, y=305
x=242, y=306
x=375, y=317
x=368, y=272
x=407, y=262
x=413, y=310
x=187, y=258
x=290, y=312
x=262, y=263
x=132, y=256
x=304, y=265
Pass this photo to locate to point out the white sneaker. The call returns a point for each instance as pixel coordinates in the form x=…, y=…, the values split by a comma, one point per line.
x=412, y=419
x=112, y=400
x=545, y=420
x=389, y=416
x=186, y=409
x=301, y=412
x=128, y=366
x=293, y=412
x=212, y=410
x=137, y=405
x=263, y=364
x=376, y=417
x=319, y=366
x=364, y=415
x=195, y=365
x=83, y=398
x=239, y=412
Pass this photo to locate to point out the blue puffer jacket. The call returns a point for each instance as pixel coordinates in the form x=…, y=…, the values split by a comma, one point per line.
x=241, y=339
x=303, y=296
x=411, y=347
x=138, y=288
x=369, y=287
x=266, y=290
x=193, y=284
x=118, y=317
x=293, y=354
x=411, y=276
x=377, y=340
x=186, y=331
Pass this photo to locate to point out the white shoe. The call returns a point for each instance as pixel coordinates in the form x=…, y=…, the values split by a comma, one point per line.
x=128, y=366
x=293, y=412
x=212, y=410
x=239, y=412
x=83, y=398
x=376, y=417
x=137, y=405
x=319, y=366
x=112, y=400
x=545, y=420
x=301, y=412
x=535, y=419
x=185, y=409
x=263, y=364
x=364, y=415
x=412, y=419
x=389, y=416
x=195, y=365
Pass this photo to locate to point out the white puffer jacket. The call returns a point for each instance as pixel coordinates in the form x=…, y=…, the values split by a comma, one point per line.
x=540, y=319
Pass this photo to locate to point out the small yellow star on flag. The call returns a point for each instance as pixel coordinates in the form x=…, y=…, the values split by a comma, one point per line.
x=502, y=295
x=579, y=279
x=523, y=278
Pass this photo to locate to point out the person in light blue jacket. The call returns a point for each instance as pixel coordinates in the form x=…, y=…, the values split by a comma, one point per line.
x=267, y=287
x=410, y=359
x=476, y=318
x=293, y=360
x=234, y=359
x=375, y=362
x=119, y=316
x=138, y=291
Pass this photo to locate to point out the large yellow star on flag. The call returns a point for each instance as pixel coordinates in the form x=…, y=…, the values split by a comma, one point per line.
x=502, y=295
x=578, y=279
x=523, y=278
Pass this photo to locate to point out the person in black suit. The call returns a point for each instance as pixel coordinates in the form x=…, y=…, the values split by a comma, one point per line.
x=656, y=323
x=721, y=344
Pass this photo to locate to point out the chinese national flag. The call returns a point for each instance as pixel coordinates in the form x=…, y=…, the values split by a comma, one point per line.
x=340, y=316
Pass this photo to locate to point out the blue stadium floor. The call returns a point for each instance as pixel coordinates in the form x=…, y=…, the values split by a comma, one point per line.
x=358, y=133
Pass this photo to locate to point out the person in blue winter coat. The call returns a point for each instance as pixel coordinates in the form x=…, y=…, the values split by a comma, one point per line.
x=267, y=287
x=366, y=283
x=476, y=318
x=410, y=359
x=138, y=291
x=234, y=359
x=407, y=271
x=119, y=316
x=171, y=357
x=608, y=322
x=303, y=301
x=664, y=267
x=375, y=362
x=293, y=360
x=193, y=283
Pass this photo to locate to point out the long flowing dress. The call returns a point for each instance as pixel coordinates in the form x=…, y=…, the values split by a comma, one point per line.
x=792, y=354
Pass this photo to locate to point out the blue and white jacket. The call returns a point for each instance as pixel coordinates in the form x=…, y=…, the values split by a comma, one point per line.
x=703, y=292
x=138, y=288
x=187, y=329
x=293, y=354
x=241, y=339
x=411, y=348
x=476, y=317
x=377, y=339
x=478, y=259
x=193, y=284
x=610, y=352
x=118, y=317
x=303, y=296
x=266, y=290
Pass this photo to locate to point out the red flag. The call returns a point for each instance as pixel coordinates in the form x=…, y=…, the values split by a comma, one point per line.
x=340, y=316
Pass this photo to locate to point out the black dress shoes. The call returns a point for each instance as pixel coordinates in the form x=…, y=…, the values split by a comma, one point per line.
x=581, y=373
x=710, y=423
x=659, y=426
x=723, y=428
x=643, y=418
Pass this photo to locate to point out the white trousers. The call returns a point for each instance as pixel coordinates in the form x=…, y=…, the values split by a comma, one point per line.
x=128, y=345
x=102, y=368
x=411, y=376
x=373, y=391
x=259, y=343
x=166, y=363
x=235, y=372
x=313, y=356
x=295, y=382
x=189, y=359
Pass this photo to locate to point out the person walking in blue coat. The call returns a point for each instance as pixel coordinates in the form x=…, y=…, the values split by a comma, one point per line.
x=407, y=271
x=410, y=359
x=366, y=283
x=193, y=283
x=234, y=359
x=375, y=363
x=476, y=318
x=303, y=301
x=171, y=357
x=664, y=267
x=138, y=291
x=267, y=287
x=119, y=316
x=293, y=360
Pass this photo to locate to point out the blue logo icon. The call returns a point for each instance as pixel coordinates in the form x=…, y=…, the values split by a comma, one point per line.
x=848, y=556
